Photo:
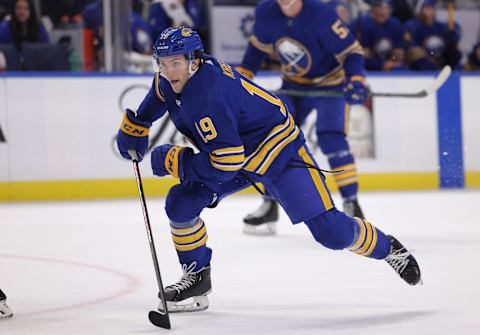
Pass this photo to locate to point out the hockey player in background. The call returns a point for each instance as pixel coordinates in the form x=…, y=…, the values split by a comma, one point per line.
x=242, y=134
x=5, y=311
x=473, y=59
x=381, y=35
x=324, y=57
x=431, y=44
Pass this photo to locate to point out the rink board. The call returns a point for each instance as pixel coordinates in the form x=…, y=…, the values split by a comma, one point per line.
x=58, y=136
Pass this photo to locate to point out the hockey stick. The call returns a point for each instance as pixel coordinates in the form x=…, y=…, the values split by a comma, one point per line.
x=439, y=80
x=159, y=319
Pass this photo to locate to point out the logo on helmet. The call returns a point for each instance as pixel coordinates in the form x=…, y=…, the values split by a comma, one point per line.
x=186, y=32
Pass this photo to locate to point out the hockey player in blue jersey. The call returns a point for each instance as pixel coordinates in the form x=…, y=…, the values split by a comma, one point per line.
x=242, y=134
x=325, y=56
x=381, y=35
x=431, y=44
x=473, y=59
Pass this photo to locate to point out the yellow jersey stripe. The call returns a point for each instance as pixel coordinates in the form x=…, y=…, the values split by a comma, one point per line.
x=345, y=168
x=368, y=240
x=274, y=137
x=354, y=48
x=333, y=78
x=227, y=159
x=267, y=48
x=345, y=175
x=276, y=151
x=361, y=238
x=226, y=167
x=187, y=231
x=317, y=179
x=187, y=239
x=229, y=150
x=347, y=119
x=192, y=246
x=373, y=244
x=347, y=182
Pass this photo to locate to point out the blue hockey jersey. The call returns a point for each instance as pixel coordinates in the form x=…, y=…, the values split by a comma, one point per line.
x=381, y=41
x=315, y=48
x=433, y=41
x=234, y=123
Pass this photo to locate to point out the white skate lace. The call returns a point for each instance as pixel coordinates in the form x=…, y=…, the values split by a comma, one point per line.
x=398, y=260
x=188, y=278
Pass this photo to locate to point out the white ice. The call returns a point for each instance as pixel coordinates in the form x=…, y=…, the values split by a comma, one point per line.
x=85, y=268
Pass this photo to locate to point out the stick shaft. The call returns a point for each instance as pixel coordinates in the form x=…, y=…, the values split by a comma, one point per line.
x=148, y=227
x=437, y=83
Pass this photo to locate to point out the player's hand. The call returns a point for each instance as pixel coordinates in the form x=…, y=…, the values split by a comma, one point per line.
x=167, y=159
x=356, y=92
x=133, y=135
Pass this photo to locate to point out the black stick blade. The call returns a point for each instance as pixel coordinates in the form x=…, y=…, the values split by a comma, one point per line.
x=159, y=320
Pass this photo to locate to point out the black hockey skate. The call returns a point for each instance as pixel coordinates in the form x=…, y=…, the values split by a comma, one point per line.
x=189, y=294
x=263, y=220
x=402, y=261
x=352, y=208
x=5, y=311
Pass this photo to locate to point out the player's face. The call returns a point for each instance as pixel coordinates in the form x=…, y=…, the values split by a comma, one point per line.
x=175, y=70
x=381, y=13
x=427, y=14
x=290, y=8
x=22, y=11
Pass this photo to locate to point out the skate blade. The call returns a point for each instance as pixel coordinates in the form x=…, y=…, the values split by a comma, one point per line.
x=193, y=304
x=5, y=313
x=269, y=228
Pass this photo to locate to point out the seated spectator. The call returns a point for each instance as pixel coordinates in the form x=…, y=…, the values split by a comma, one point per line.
x=473, y=59
x=431, y=44
x=174, y=13
x=3, y=10
x=140, y=34
x=23, y=26
x=341, y=8
x=64, y=12
x=381, y=37
x=403, y=10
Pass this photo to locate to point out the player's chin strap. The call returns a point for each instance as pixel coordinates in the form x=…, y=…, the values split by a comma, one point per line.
x=191, y=71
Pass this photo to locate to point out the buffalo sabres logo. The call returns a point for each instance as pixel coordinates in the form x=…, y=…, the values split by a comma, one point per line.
x=295, y=58
x=186, y=32
x=435, y=45
x=383, y=47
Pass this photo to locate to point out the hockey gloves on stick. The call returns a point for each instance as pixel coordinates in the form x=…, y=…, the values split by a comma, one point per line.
x=167, y=159
x=356, y=92
x=133, y=135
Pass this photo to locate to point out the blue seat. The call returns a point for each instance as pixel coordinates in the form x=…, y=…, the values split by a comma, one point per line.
x=45, y=57
x=11, y=56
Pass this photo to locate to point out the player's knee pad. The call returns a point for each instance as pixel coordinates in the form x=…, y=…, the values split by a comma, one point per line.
x=186, y=201
x=332, y=229
x=332, y=142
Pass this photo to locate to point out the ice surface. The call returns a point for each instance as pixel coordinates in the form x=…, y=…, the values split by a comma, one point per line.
x=85, y=268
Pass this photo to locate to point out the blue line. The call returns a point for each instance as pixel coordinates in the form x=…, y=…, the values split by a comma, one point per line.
x=450, y=134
